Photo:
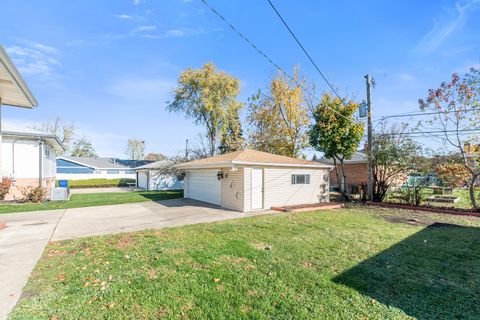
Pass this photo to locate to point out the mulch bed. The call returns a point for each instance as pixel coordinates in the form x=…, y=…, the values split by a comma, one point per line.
x=309, y=207
x=445, y=210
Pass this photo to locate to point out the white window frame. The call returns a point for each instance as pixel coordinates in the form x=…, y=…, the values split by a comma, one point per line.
x=306, y=178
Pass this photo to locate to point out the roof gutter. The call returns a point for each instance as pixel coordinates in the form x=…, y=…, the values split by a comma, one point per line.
x=246, y=163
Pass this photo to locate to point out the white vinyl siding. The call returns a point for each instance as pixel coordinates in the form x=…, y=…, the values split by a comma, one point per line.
x=232, y=189
x=203, y=185
x=279, y=190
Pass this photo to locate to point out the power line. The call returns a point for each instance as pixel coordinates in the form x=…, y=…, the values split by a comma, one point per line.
x=304, y=50
x=422, y=114
x=241, y=35
x=428, y=132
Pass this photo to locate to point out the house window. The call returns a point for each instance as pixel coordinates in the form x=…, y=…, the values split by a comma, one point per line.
x=113, y=171
x=300, y=179
x=47, y=152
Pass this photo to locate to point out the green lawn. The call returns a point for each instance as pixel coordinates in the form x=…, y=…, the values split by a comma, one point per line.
x=346, y=264
x=94, y=199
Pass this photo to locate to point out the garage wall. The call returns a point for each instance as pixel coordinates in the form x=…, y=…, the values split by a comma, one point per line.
x=279, y=190
x=233, y=190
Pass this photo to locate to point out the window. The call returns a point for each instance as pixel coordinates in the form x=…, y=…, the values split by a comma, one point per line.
x=47, y=152
x=300, y=179
x=113, y=171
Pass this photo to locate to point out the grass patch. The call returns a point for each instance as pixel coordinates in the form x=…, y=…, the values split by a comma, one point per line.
x=344, y=264
x=99, y=183
x=94, y=199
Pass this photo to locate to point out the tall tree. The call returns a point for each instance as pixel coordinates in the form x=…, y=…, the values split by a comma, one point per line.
x=65, y=131
x=135, y=149
x=393, y=158
x=83, y=148
x=336, y=133
x=206, y=95
x=457, y=103
x=279, y=119
x=232, y=136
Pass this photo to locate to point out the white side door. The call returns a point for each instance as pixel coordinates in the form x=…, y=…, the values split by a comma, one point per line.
x=142, y=179
x=257, y=188
x=204, y=185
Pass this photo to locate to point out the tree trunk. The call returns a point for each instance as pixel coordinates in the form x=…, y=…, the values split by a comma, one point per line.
x=344, y=176
x=340, y=186
x=471, y=190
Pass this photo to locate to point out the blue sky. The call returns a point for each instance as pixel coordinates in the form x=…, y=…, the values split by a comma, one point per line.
x=109, y=66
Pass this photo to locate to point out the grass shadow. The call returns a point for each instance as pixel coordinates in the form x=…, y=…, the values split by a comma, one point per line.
x=433, y=274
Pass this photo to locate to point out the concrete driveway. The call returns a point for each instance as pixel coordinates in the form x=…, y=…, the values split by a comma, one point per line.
x=23, y=241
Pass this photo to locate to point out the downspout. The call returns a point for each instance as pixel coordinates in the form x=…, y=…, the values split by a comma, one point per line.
x=40, y=162
x=13, y=159
x=1, y=142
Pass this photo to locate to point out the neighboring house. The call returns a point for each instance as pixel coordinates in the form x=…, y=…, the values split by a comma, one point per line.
x=252, y=180
x=81, y=168
x=29, y=160
x=356, y=170
x=157, y=176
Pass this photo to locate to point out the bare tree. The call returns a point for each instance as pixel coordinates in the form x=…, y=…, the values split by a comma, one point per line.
x=135, y=149
x=65, y=131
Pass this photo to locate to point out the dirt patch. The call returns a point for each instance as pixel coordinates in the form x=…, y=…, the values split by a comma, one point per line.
x=125, y=241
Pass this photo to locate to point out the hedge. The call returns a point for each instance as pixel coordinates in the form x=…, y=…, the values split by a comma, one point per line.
x=99, y=183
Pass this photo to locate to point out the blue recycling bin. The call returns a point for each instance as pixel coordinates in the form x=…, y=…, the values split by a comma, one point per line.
x=63, y=183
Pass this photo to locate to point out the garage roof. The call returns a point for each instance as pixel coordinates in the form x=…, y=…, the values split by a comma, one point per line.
x=250, y=157
x=13, y=90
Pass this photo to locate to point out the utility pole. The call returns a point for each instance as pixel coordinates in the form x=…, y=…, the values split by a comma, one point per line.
x=369, y=138
x=186, y=149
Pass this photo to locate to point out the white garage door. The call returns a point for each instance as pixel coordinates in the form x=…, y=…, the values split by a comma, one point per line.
x=142, y=179
x=203, y=185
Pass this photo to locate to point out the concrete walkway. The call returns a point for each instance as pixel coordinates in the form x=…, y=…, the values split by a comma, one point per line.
x=23, y=241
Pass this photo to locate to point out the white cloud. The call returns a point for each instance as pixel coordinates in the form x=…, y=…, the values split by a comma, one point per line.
x=36, y=60
x=144, y=28
x=137, y=2
x=123, y=16
x=452, y=20
x=406, y=77
x=150, y=90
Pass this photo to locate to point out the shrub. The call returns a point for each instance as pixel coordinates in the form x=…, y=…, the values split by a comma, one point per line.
x=34, y=194
x=5, y=187
x=99, y=183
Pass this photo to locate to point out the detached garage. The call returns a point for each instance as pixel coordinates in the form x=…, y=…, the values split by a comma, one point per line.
x=252, y=180
x=157, y=176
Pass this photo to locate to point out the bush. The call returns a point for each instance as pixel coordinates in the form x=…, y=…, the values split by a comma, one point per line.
x=99, y=183
x=5, y=187
x=34, y=194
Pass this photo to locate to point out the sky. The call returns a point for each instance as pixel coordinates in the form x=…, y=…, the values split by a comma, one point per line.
x=110, y=66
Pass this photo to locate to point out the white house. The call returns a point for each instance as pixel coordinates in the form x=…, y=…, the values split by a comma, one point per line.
x=81, y=168
x=252, y=180
x=29, y=160
x=157, y=176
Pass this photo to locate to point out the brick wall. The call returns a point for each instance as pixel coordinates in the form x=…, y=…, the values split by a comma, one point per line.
x=356, y=173
x=22, y=183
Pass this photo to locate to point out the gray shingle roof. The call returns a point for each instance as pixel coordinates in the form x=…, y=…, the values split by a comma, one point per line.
x=98, y=163
x=358, y=157
x=162, y=164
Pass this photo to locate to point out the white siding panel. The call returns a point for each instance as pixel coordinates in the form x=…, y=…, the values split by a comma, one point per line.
x=233, y=190
x=203, y=185
x=279, y=190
